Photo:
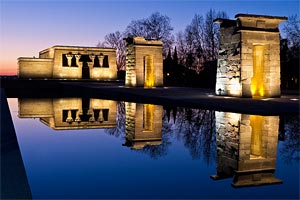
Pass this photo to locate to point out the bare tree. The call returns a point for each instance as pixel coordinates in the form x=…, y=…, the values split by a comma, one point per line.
x=199, y=42
x=290, y=150
x=156, y=27
x=115, y=40
x=292, y=31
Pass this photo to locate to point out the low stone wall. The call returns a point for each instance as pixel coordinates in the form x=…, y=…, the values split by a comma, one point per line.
x=35, y=68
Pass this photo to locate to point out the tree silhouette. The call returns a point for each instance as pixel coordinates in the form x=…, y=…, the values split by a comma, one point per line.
x=156, y=27
x=290, y=150
x=289, y=53
x=115, y=40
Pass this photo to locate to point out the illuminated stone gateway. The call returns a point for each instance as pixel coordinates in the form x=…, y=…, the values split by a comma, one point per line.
x=143, y=125
x=246, y=148
x=249, y=56
x=144, y=63
x=70, y=62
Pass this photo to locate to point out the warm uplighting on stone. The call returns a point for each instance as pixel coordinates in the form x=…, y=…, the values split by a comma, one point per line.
x=246, y=148
x=70, y=113
x=249, y=56
x=143, y=125
x=144, y=63
x=70, y=62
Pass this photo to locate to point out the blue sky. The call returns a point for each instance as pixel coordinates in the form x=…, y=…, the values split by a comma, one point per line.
x=30, y=26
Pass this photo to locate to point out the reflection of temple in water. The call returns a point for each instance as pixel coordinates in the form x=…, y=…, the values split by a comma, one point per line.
x=70, y=113
x=246, y=148
x=143, y=125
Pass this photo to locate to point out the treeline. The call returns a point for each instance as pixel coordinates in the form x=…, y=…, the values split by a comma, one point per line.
x=190, y=56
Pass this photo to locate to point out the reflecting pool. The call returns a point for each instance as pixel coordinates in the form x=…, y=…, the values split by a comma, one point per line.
x=91, y=149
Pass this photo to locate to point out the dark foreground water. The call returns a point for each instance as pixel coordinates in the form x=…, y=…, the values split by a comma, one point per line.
x=94, y=149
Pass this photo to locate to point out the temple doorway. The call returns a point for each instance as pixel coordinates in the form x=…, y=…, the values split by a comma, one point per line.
x=85, y=67
x=257, y=81
x=149, y=71
x=85, y=70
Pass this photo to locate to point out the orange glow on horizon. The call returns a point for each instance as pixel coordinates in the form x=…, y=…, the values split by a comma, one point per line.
x=8, y=68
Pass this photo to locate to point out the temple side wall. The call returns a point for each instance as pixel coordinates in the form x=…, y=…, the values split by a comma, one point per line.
x=227, y=140
x=35, y=68
x=31, y=108
x=130, y=77
x=229, y=68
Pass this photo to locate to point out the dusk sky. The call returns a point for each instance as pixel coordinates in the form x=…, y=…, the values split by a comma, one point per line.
x=28, y=27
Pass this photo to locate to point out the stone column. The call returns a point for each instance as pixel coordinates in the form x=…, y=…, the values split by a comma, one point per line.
x=100, y=118
x=78, y=56
x=92, y=118
x=92, y=57
x=77, y=119
x=69, y=57
x=69, y=118
x=101, y=57
x=79, y=65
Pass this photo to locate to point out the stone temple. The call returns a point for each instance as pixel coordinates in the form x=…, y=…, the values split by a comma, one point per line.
x=249, y=56
x=70, y=62
x=144, y=63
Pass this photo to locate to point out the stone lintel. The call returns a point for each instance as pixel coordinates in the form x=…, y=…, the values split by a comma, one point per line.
x=142, y=41
x=31, y=59
x=225, y=22
x=279, y=18
x=77, y=48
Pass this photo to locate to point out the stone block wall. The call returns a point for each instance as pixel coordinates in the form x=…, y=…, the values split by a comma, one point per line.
x=32, y=108
x=227, y=125
x=137, y=51
x=237, y=135
x=130, y=77
x=237, y=69
x=136, y=134
x=50, y=64
x=50, y=112
x=100, y=73
x=229, y=62
x=35, y=68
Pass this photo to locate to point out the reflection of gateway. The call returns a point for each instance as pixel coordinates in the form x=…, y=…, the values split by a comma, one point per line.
x=246, y=148
x=70, y=113
x=143, y=125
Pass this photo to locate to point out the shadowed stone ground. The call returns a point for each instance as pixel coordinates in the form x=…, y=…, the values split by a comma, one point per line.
x=171, y=96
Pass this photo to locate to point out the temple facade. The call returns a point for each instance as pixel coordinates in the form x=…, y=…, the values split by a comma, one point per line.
x=70, y=113
x=144, y=63
x=249, y=56
x=70, y=62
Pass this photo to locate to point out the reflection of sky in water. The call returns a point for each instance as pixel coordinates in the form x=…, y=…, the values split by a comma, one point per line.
x=92, y=164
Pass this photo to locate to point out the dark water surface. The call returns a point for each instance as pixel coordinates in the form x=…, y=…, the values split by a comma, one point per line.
x=128, y=150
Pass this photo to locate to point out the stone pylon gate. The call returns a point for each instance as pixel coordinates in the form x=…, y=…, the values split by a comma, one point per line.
x=249, y=56
x=144, y=63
